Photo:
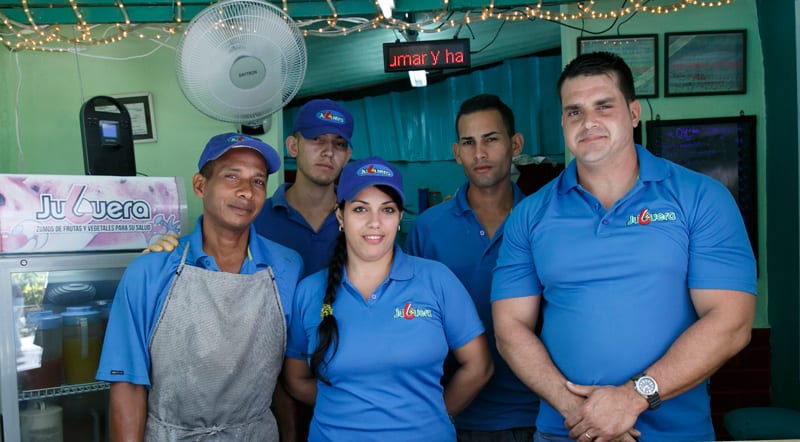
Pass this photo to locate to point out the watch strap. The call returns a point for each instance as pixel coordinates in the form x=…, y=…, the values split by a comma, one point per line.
x=653, y=400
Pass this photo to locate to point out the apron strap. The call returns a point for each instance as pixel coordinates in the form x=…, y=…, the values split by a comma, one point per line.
x=183, y=259
x=200, y=433
x=171, y=287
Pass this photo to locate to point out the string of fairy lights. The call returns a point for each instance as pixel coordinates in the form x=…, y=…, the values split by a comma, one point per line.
x=61, y=38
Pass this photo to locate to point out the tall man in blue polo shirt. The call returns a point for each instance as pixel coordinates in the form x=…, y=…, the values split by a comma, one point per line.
x=642, y=269
x=193, y=331
x=465, y=233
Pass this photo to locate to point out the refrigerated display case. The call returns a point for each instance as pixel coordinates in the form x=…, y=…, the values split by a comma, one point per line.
x=48, y=388
x=65, y=242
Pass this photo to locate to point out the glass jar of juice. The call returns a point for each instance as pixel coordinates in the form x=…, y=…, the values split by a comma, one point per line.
x=82, y=332
x=46, y=328
x=104, y=307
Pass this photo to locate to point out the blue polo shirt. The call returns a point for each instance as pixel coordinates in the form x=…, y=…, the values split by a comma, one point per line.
x=385, y=374
x=451, y=234
x=281, y=223
x=615, y=283
x=144, y=287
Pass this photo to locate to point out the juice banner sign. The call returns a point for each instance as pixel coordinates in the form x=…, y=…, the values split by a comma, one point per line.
x=65, y=213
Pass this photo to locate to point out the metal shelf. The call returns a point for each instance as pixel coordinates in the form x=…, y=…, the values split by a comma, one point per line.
x=63, y=390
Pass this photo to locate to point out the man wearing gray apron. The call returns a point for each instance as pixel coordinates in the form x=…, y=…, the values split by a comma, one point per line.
x=196, y=337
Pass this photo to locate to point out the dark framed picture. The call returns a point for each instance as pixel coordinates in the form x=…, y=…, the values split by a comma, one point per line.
x=705, y=63
x=140, y=108
x=640, y=52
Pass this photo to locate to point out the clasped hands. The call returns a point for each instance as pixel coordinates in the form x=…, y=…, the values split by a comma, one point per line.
x=604, y=413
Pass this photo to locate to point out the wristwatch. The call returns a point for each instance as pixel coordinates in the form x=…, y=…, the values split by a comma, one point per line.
x=648, y=389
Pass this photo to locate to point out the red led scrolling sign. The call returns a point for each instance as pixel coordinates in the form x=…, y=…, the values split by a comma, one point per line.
x=421, y=55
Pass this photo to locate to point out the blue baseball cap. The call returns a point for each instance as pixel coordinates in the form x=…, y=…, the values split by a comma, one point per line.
x=323, y=116
x=372, y=171
x=219, y=144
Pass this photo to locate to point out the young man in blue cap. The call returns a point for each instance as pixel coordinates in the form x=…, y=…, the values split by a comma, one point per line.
x=465, y=234
x=192, y=331
x=301, y=215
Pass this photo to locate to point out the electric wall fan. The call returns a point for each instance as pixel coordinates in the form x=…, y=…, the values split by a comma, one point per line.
x=239, y=61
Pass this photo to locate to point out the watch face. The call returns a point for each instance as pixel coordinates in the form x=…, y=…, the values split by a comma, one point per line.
x=646, y=385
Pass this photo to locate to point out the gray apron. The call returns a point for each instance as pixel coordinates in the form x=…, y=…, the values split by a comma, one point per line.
x=216, y=353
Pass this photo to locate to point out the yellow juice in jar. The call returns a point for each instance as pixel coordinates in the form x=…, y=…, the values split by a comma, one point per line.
x=83, y=340
x=80, y=364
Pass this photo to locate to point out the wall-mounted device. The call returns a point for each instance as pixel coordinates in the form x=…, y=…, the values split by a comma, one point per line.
x=428, y=54
x=107, y=138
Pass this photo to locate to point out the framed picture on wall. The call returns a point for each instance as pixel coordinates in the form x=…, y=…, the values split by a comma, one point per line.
x=705, y=63
x=640, y=52
x=140, y=108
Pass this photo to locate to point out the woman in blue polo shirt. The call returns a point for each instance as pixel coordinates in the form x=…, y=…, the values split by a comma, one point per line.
x=371, y=332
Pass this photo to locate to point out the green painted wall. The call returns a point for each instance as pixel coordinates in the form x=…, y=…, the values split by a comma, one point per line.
x=8, y=160
x=55, y=85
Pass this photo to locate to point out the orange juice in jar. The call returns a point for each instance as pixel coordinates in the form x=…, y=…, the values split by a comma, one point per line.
x=82, y=331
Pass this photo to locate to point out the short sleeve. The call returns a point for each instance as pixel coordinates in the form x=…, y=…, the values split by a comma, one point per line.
x=134, y=311
x=515, y=274
x=305, y=317
x=720, y=255
x=459, y=316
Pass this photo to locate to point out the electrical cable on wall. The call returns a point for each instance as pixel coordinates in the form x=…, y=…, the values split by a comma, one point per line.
x=496, y=34
x=20, y=155
x=132, y=57
x=80, y=79
x=633, y=14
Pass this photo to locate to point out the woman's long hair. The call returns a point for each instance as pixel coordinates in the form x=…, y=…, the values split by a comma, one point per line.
x=328, y=330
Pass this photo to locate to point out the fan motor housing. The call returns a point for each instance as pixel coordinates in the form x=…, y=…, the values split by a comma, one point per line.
x=247, y=72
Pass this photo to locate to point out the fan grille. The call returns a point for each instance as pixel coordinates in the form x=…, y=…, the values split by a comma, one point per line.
x=241, y=60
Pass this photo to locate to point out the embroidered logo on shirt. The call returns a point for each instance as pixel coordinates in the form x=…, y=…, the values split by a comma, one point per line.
x=645, y=217
x=408, y=312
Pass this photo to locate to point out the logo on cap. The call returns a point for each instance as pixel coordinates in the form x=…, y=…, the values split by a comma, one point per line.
x=235, y=139
x=331, y=116
x=373, y=169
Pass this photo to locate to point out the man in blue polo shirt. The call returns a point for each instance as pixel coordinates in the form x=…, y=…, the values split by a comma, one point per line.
x=642, y=269
x=300, y=215
x=191, y=332
x=465, y=234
